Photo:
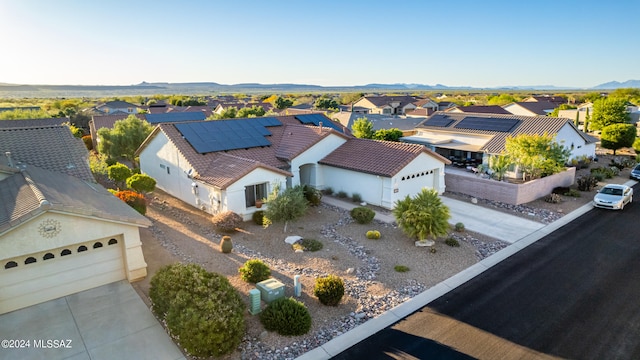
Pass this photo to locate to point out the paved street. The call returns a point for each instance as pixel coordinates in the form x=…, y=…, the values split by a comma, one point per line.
x=573, y=294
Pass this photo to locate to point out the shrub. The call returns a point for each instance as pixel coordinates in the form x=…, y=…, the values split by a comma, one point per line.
x=459, y=227
x=433, y=250
x=226, y=245
x=329, y=290
x=327, y=191
x=254, y=271
x=286, y=316
x=373, y=234
x=309, y=245
x=133, y=199
x=362, y=215
x=88, y=142
x=312, y=195
x=552, y=198
x=119, y=173
x=341, y=194
x=203, y=311
x=258, y=217
x=401, y=268
x=452, y=242
x=586, y=183
x=226, y=221
x=560, y=190
x=141, y=183
x=357, y=198
x=598, y=176
x=572, y=193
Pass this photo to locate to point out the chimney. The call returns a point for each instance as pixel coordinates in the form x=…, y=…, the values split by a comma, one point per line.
x=8, y=154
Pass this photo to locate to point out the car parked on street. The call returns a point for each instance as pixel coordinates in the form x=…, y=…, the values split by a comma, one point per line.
x=613, y=196
x=635, y=173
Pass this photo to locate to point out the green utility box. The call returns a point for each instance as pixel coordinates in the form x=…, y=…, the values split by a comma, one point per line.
x=270, y=289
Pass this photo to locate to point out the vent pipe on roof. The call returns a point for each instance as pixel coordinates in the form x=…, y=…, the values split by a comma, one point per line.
x=8, y=155
x=320, y=124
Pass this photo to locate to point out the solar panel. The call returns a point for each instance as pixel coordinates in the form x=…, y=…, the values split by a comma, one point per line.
x=315, y=119
x=174, y=117
x=222, y=135
x=439, y=121
x=488, y=124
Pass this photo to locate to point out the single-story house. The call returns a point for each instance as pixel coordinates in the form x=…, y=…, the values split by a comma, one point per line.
x=531, y=108
x=229, y=164
x=60, y=232
x=469, y=138
x=404, y=123
x=426, y=103
x=115, y=107
x=557, y=100
x=387, y=105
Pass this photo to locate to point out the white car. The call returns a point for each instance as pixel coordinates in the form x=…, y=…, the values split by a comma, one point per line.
x=613, y=196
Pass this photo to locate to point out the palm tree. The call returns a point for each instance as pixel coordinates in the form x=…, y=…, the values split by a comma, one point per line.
x=423, y=216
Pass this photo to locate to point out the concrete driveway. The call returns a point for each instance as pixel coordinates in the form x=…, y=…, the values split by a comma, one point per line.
x=108, y=322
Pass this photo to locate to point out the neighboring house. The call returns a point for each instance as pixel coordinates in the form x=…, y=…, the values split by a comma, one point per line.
x=406, y=124
x=557, y=100
x=238, y=105
x=115, y=107
x=469, y=138
x=229, y=164
x=98, y=122
x=60, y=232
x=426, y=104
x=444, y=105
x=533, y=108
x=387, y=105
x=33, y=122
x=420, y=113
x=485, y=109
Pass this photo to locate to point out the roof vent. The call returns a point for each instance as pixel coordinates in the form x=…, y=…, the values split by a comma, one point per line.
x=10, y=161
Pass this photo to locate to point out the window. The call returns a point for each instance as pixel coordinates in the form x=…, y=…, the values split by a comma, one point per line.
x=47, y=256
x=254, y=192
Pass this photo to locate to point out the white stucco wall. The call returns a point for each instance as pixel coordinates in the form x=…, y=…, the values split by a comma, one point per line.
x=27, y=239
x=518, y=110
x=311, y=156
x=235, y=193
x=567, y=136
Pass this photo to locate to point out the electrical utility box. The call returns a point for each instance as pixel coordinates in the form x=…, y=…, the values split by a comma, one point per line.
x=270, y=290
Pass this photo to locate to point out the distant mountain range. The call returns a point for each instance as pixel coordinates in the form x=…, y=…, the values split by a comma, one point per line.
x=144, y=88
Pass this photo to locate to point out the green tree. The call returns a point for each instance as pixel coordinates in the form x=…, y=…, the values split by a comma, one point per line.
x=609, y=111
x=76, y=131
x=592, y=97
x=228, y=113
x=636, y=145
x=576, y=121
x=141, y=183
x=616, y=136
x=502, y=99
x=423, y=216
x=282, y=103
x=388, y=134
x=254, y=111
x=326, y=103
x=350, y=98
x=124, y=138
x=587, y=121
x=119, y=173
x=362, y=128
x=286, y=206
x=537, y=155
x=499, y=164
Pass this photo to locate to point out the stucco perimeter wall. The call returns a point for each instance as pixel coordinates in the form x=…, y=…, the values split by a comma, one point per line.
x=505, y=192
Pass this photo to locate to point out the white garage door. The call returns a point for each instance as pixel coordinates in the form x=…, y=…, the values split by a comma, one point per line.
x=36, y=278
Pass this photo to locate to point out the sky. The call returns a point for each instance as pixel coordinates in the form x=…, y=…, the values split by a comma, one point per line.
x=565, y=43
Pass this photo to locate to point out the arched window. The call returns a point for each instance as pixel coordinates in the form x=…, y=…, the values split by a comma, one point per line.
x=65, y=252
x=48, y=256
x=30, y=260
x=113, y=242
x=82, y=248
x=97, y=245
x=10, y=264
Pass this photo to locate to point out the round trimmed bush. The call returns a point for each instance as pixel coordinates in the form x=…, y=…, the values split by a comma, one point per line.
x=452, y=242
x=286, y=316
x=254, y=271
x=258, y=217
x=226, y=245
x=310, y=244
x=203, y=311
x=312, y=195
x=362, y=215
x=226, y=221
x=459, y=227
x=373, y=234
x=329, y=290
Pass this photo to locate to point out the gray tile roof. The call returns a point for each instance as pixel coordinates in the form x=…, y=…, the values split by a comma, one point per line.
x=378, y=121
x=53, y=148
x=528, y=125
x=5, y=124
x=33, y=191
x=107, y=121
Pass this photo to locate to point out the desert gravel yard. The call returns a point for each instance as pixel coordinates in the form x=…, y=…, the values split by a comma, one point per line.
x=185, y=234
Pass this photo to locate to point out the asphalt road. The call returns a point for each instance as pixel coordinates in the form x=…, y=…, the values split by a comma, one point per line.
x=573, y=294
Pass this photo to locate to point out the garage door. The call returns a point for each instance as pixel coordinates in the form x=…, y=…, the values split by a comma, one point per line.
x=40, y=277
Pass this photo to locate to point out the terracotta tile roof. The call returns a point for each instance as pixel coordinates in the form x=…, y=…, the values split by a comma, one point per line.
x=384, y=158
x=4, y=124
x=381, y=101
x=422, y=102
x=528, y=125
x=107, y=121
x=536, y=107
x=53, y=148
x=33, y=191
x=420, y=112
x=298, y=138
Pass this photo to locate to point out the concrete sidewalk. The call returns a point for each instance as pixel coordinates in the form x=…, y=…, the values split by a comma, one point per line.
x=496, y=224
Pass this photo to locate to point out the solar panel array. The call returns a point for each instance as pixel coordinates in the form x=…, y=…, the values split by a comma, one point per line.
x=175, y=117
x=487, y=124
x=439, y=121
x=222, y=135
x=315, y=119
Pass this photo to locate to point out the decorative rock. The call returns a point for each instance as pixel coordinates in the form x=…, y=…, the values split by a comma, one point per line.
x=424, y=243
x=360, y=316
x=292, y=239
x=474, y=200
x=364, y=203
x=299, y=251
x=350, y=270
